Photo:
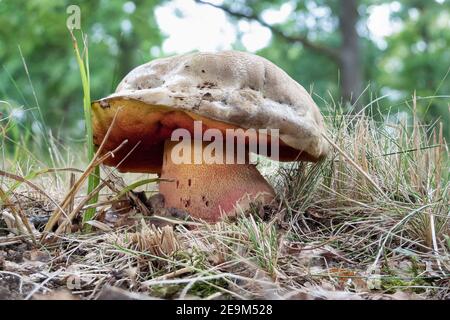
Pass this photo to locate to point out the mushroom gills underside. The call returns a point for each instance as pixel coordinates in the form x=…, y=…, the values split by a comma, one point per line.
x=146, y=128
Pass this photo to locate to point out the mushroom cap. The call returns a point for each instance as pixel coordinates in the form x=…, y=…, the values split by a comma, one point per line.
x=229, y=89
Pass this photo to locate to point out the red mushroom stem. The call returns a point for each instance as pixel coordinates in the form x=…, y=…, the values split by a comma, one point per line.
x=211, y=191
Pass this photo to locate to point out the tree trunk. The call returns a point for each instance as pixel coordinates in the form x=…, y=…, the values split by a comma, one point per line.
x=349, y=55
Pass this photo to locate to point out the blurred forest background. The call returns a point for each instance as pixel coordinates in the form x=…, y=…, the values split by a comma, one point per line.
x=351, y=52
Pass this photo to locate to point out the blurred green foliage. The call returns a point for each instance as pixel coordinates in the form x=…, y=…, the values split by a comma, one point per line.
x=416, y=58
x=39, y=29
x=34, y=33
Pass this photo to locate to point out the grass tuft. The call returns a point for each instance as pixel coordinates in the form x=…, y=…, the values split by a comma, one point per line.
x=372, y=221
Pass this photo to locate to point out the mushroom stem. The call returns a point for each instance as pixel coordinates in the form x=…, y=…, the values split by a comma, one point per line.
x=210, y=191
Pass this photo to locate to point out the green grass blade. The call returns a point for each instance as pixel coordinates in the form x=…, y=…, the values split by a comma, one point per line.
x=94, y=178
x=135, y=185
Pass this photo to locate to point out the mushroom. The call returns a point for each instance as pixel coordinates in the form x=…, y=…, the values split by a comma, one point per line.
x=225, y=91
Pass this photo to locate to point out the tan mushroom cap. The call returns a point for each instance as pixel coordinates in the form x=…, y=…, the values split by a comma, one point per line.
x=229, y=89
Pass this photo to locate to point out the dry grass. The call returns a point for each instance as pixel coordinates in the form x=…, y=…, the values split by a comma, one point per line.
x=370, y=222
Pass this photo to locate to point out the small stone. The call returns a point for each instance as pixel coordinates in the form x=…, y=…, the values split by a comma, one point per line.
x=37, y=255
x=156, y=202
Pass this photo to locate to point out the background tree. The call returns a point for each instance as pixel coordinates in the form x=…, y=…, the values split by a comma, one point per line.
x=344, y=52
x=336, y=53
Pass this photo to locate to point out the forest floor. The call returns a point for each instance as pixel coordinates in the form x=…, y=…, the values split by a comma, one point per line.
x=369, y=222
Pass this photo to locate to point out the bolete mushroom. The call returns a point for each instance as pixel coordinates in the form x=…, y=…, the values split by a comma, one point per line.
x=225, y=91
